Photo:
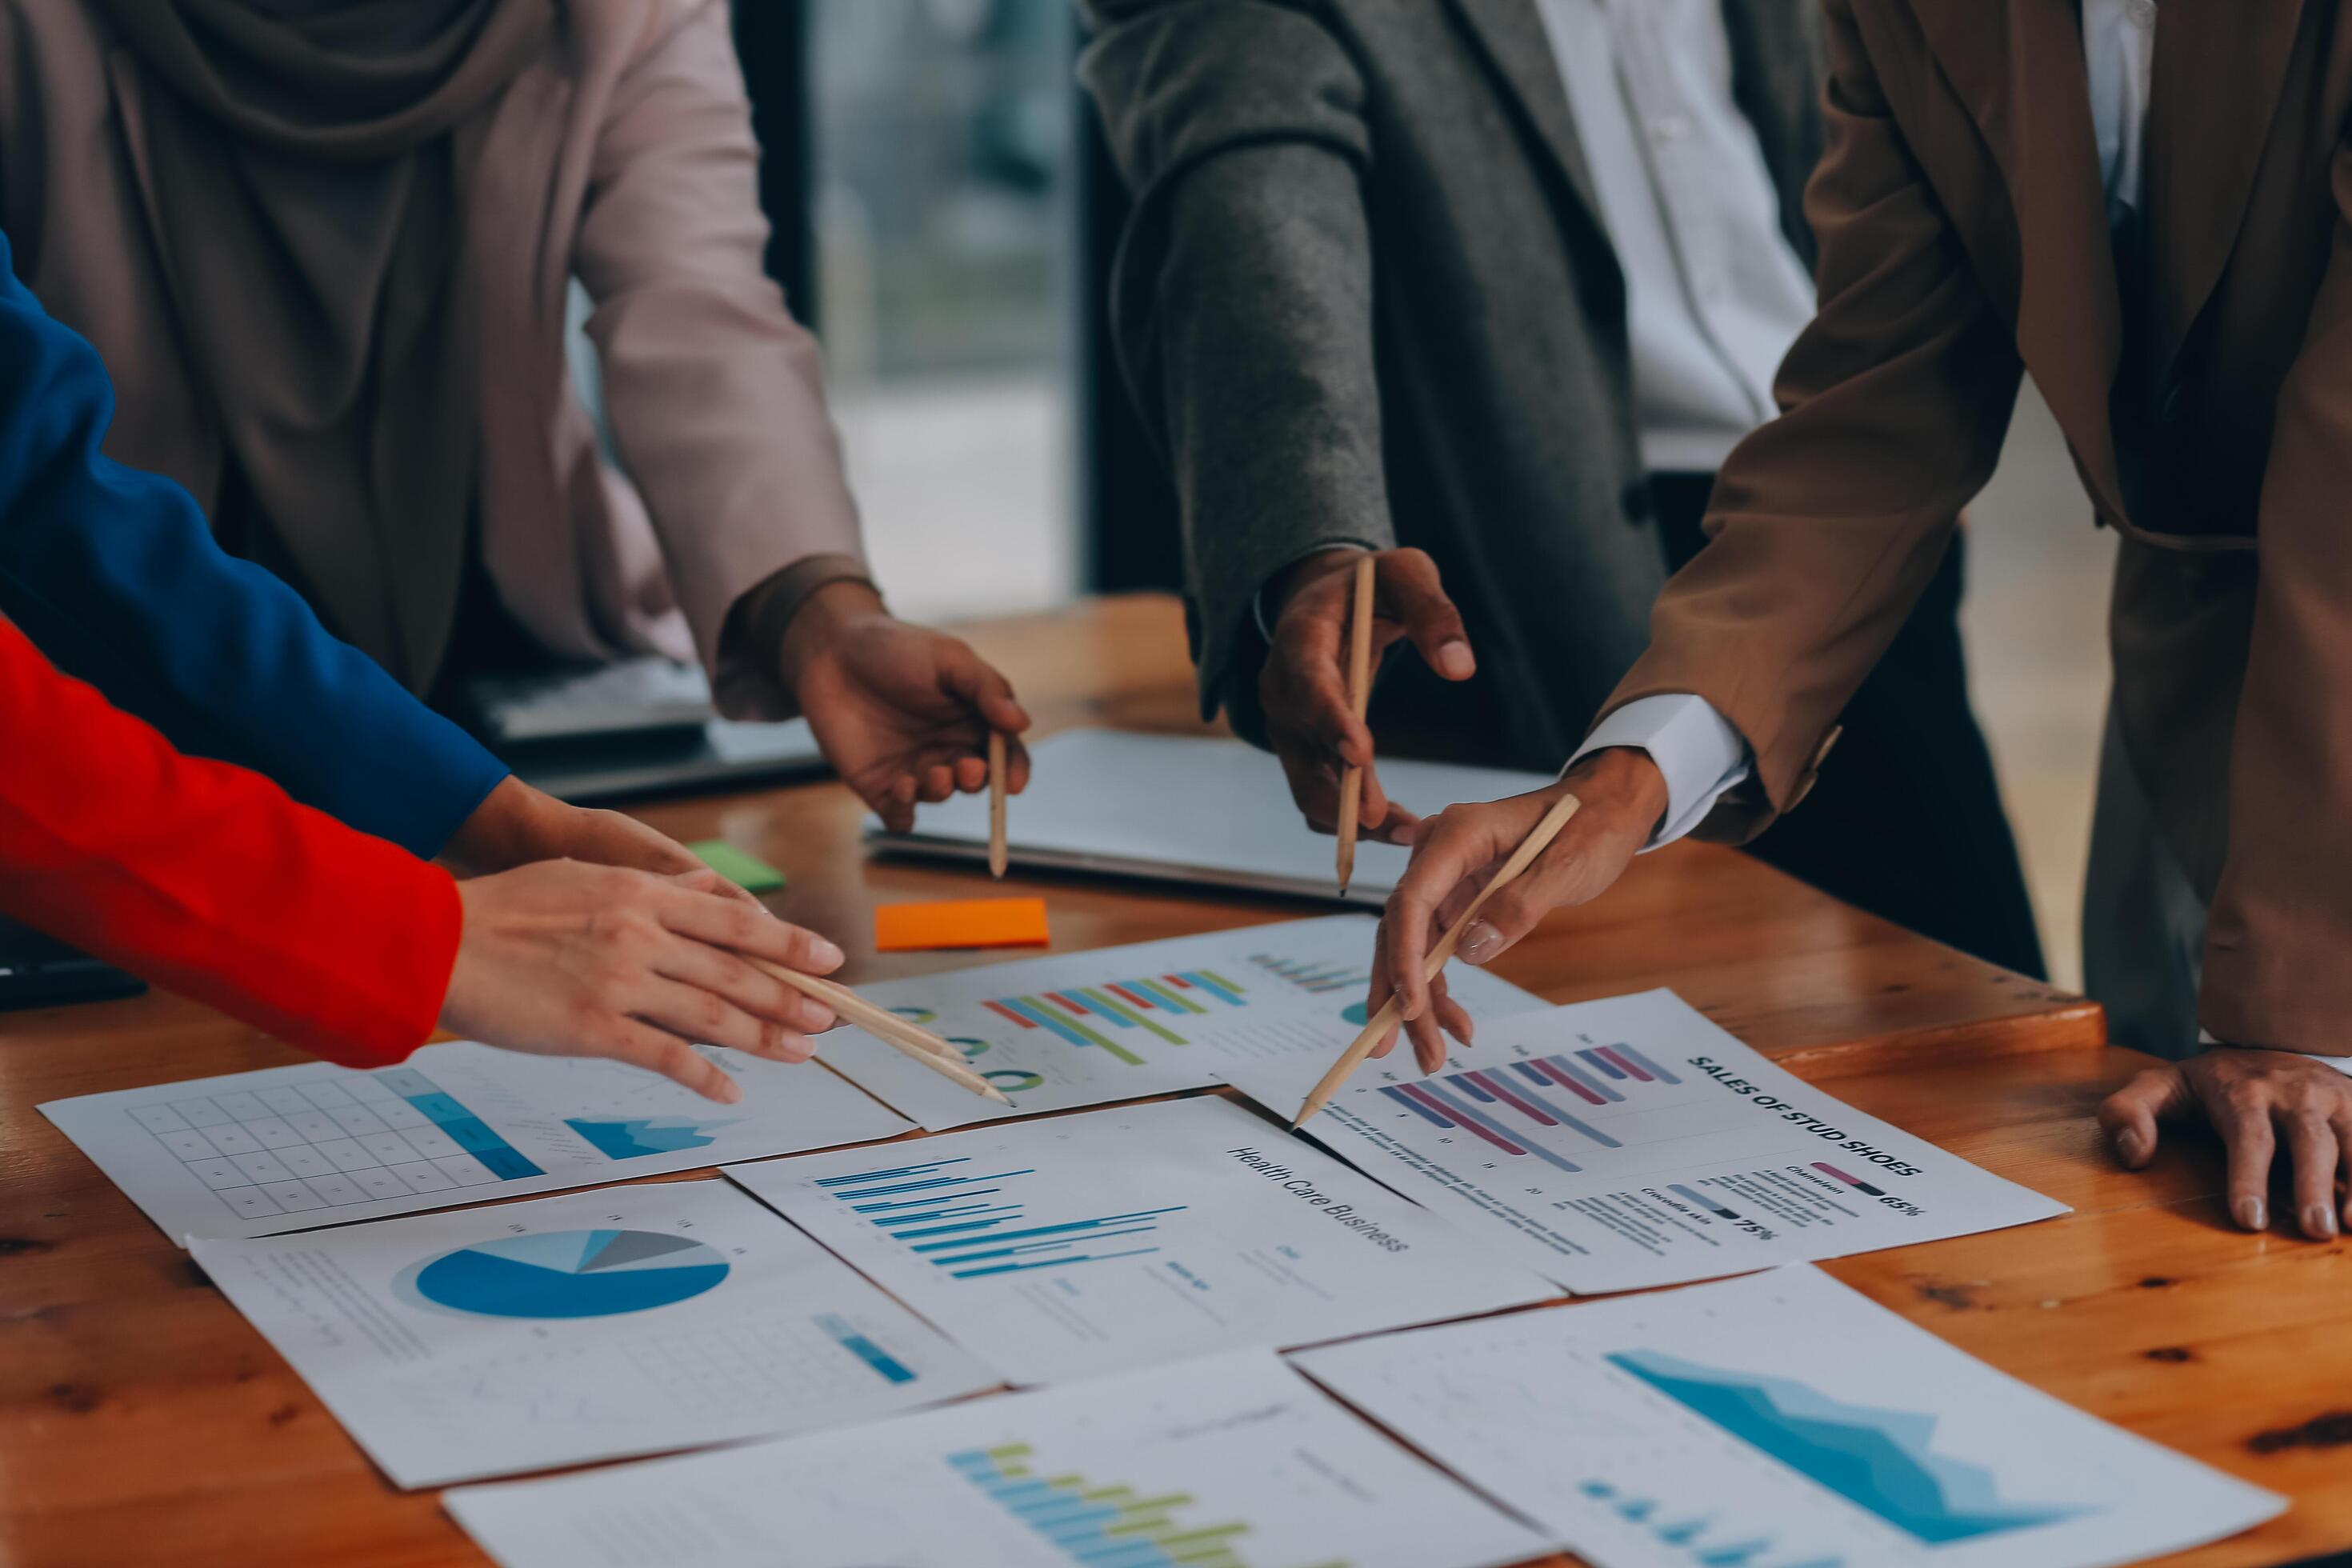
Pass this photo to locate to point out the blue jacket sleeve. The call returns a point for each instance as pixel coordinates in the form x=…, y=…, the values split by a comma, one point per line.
x=116, y=576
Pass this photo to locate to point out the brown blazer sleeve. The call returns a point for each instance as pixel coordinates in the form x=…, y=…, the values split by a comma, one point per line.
x=2278, y=943
x=1828, y=523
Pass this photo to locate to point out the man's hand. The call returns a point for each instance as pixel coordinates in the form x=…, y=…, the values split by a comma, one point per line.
x=1304, y=686
x=903, y=713
x=1621, y=798
x=2257, y=1100
x=563, y=959
x=518, y=825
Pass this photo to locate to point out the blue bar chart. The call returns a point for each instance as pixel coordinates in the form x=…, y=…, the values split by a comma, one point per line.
x=946, y=1218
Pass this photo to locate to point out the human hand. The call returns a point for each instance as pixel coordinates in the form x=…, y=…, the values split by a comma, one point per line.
x=2253, y=1100
x=1621, y=798
x=518, y=825
x=903, y=713
x=564, y=959
x=1303, y=688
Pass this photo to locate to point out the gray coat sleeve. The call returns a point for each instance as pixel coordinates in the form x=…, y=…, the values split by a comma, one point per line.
x=1241, y=299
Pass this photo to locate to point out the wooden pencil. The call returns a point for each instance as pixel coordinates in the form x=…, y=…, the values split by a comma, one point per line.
x=910, y=1039
x=1391, y=1015
x=999, y=855
x=1360, y=698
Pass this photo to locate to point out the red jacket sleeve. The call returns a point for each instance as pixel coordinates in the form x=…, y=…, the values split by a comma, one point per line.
x=208, y=879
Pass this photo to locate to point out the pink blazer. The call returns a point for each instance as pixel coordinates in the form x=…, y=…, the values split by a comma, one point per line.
x=623, y=157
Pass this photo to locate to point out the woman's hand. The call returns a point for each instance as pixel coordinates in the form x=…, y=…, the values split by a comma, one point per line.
x=903, y=713
x=2263, y=1104
x=565, y=958
x=1621, y=798
x=518, y=825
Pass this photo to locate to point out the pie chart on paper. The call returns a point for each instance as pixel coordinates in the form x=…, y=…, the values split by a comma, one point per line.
x=566, y=1274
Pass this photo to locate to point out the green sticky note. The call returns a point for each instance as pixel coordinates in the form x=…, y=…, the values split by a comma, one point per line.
x=746, y=871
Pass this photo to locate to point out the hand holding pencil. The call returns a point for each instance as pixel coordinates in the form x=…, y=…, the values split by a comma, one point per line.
x=1314, y=720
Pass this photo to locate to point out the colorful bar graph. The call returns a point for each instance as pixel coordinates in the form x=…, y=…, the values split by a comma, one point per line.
x=1473, y=1121
x=1643, y=1065
x=1607, y=1064
x=1535, y=1107
x=1565, y=1073
x=1098, y=1526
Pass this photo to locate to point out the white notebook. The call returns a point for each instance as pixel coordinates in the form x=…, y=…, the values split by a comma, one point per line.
x=1187, y=809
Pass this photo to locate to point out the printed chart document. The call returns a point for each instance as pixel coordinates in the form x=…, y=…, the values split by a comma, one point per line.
x=1778, y=1421
x=1278, y=1002
x=1062, y=1247
x=583, y=1327
x=293, y=1148
x=1629, y=1143
x=1230, y=1462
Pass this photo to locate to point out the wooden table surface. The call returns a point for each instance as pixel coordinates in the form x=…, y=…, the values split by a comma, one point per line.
x=142, y=1420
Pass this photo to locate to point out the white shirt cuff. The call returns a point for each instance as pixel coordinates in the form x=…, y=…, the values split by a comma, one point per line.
x=1695, y=747
x=2341, y=1064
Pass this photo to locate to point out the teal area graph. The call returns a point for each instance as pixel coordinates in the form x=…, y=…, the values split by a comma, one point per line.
x=567, y=1274
x=631, y=1137
x=1882, y=1461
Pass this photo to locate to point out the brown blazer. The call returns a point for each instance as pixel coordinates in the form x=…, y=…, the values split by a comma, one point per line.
x=622, y=157
x=1963, y=240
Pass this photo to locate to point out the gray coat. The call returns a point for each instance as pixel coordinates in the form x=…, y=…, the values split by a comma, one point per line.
x=1366, y=296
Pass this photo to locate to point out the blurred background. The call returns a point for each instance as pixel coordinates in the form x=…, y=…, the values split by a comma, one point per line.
x=945, y=220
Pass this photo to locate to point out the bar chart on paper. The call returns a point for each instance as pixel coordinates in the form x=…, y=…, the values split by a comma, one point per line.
x=1776, y=1421
x=287, y=1149
x=586, y=1326
x=942, y=1212
x=1076, y=1245
x=1231, y=1461
x=1276, y=1001
x=1629, y=1143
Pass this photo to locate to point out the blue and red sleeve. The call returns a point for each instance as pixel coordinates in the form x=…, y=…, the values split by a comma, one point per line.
x=209, y=880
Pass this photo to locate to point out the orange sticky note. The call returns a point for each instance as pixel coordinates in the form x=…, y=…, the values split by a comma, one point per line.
x=969, y=922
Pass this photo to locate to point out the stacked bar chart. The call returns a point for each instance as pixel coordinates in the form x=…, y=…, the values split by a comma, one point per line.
x=1100, y=1526
x=946, y=1218
x=1081, y=1013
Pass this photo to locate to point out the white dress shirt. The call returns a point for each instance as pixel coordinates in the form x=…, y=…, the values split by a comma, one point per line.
x=1713, y=292
x=1696, y=750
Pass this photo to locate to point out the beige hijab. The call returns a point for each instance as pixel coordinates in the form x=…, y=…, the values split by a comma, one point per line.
x=311, y=160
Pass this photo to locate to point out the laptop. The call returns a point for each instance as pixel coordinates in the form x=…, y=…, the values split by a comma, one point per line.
x=640, y=727
x=37, y=970
x=1185, y=808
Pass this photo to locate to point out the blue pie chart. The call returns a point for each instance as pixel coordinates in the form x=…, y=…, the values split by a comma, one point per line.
x=569, y=1274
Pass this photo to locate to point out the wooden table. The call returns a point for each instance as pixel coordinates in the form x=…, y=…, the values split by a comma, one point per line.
x=142, y=1420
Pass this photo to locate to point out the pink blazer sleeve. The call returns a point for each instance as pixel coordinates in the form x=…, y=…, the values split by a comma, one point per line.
x=715, y=395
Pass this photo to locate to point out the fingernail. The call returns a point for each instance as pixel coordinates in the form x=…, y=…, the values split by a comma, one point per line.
x=826, y=953
x=2252, y=1213
x=2130, y=1148
x=1480, y=942
x=1454, y=662
x=2319, y=1220
x=730, y=1091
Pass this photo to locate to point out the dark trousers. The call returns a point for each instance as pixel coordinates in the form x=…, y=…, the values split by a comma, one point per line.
x=1905, y=819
